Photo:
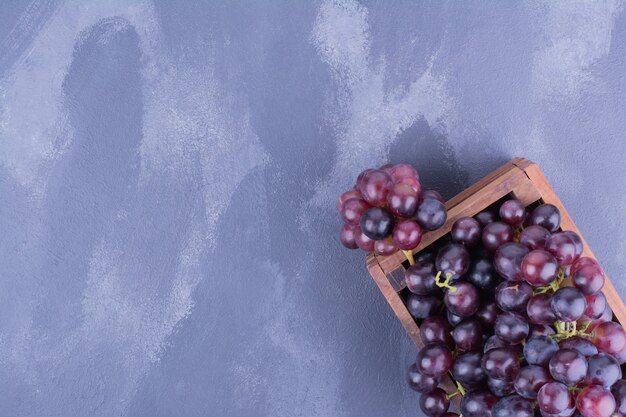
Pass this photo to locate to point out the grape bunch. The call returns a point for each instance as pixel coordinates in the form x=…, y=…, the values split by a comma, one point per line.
x=511, y=310
x=387, y=211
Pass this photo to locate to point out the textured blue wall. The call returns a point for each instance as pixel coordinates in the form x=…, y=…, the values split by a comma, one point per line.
x=169, y=170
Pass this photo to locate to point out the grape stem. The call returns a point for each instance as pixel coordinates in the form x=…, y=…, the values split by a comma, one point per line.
x=459, y=391
x=409, y=256
x=554, y=285
x=567, y=329
x=517, y=232
x=445, y=283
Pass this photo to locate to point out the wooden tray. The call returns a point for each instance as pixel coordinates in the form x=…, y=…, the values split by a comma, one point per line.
x=519, y=178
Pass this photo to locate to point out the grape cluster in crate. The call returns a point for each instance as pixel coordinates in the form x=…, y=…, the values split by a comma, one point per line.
x=507, y=304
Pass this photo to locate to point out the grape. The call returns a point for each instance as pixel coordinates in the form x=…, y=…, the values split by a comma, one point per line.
x=511, y=327
x=546, y=215
x=487, y=314
x=362, y=241
x=508, y=261
x=431, y=214
x=407, y=234
x=587, y=276
x=433, y=195
x=466, y=369
x=419, y=382
x=621, y=356
x=434, y=360
x=385, y=247
x=453, y=319
x=493, y=342
x=568, y=366
x=513, y=406
x=513, y=296
x=411, y=182
x=609, y=337
x=568, y=304
x=453, y=259
x=361, y=178
x=513, y=212
x=539, y=268
x=435, y=329
x=485, y=217
x=596, y=304
x=539, y=349
x=578, y=242
x=562, y=247
x=346, y=196
x=374, y=187
x=482, y=273
x=554, y=398
x=541, y=330
x=603, y=370
x=376, y=223
x=425, y=255
x=353, y=209
x=619, y=393
x=501, y=363
x=468, y=335
x=399, y=171
x=434, y=403
x=466, y=231
x=463, y=301
x=539, y=310
x=420, y=278
x=496, y=234
x=530, y=379
x=534, y=237
x=500, y=387
x=580, y=344
x=595, y=401
x=606, y=316
x=402, y=200
x=347, y=236
x=422, y=306
x=478, y=403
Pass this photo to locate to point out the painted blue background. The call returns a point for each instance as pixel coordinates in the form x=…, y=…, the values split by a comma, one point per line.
x=169, y=170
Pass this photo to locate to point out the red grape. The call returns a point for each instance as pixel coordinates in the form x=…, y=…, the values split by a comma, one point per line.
x=466, y=231
x=385, y=247
x=513, y=296
x=434, y=403
x=513, y=212
x=578, y=242
x=513, y=406
x=434, y=359
x=468, y=335
x=554, y=398
x=420, y=278
x=562, y=247
x=353, y=209
x=362, y=241
x=508, y=260
x=374, y=187
x=539, y=268
x=462, y=301
x=482, y=273
x=534, y=237
x=603, y=370
x=501, y=363
x=453, y=259
x=568, y=366
x=407, y=234
x=587, y=276
x=496, y=234
x=619, y=393
x=376, y=223
x=568, y=304
x=485, y=217
x=402, y=200
x=431, y=214
x=530, y=379
x=511, y=327
x=422, y=306
x=500, y=387
x=466, y=369
x=413, y=183
x=399, y=171
x=432, y=194
x=478, y=403
x=539, y=310
x=579, y=343
x=346, y=196
x=595, y=401
x=538, y=350
x=487, y=314
x=435, y=329
x=596, y=304
x=419, y=382
x=609, y=337
x=546, y=215
x=347, y=236
x=493, y=342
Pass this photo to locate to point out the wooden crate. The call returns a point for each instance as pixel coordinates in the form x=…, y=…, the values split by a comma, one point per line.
x=519, y=178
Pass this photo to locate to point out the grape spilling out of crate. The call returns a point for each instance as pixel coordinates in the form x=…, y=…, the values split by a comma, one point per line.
x=507, y=304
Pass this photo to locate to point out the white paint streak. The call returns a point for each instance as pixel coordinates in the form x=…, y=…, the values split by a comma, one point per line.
x=374, y=116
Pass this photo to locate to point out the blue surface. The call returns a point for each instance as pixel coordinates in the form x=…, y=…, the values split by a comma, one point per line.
x=169, y=170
